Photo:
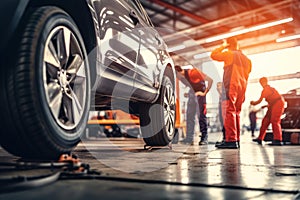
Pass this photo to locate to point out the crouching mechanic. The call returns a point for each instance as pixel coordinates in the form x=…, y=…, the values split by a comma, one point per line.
x=195, y=80
x=275, y=110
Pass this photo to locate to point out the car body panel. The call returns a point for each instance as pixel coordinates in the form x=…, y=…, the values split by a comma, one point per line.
x=117, y=52
x=11, y=12
x=130, y=48
x=152, y=54
x=291, y=115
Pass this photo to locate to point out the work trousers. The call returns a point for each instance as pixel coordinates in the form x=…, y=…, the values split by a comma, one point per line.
x=221, y=119
x=196, y=105
x=273, y=117
x=231, y=109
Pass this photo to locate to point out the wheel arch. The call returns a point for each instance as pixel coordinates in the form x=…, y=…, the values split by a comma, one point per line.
x=170, y=71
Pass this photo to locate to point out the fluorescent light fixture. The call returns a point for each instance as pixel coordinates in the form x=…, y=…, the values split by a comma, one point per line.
x=247, y=30
x=291, y=37
x=176, y=48
x=187, y=67
x=202, y=55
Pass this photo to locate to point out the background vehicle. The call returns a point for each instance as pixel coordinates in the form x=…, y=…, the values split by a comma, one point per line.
x=60, y=59
x=291, y=115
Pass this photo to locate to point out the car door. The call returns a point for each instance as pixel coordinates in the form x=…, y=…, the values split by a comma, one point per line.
x=118, y=48
x=149, y=63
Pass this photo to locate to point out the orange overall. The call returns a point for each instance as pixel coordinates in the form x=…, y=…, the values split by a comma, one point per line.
x=275, y=110
x=237, y=68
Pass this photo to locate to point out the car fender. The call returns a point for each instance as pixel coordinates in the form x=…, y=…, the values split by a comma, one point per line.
x=11, y=12
x=168, y=64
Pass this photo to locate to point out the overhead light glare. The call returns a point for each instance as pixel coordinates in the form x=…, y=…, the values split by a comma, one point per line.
x=176, y=48
x=202, y=55
x=247, y=30
x=187, y=67
x=287, y=38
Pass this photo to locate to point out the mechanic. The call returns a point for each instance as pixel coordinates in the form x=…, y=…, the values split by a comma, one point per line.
x=195, y=80
x=275, y=110
x=253, y=119
x=237, y=68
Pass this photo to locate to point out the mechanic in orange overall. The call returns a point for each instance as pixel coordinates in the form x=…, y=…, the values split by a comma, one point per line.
x=275, y=110
x=237, y=68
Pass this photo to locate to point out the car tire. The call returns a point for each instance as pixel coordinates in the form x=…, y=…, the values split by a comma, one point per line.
x=157, y=121
x=47, y=90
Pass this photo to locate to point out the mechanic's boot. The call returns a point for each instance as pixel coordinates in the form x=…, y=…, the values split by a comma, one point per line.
x=276, y=143
x=204, y=142
x=228, y=145
x=257, y=140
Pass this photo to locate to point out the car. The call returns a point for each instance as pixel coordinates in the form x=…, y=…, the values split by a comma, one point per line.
x=291, y=116
x=290, y=119
x=62, y=59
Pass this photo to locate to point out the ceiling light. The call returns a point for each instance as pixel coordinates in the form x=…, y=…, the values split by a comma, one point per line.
x=176, y=48
x=247, y=30
x=202, y=55
x=187, y=67
x=291, y=37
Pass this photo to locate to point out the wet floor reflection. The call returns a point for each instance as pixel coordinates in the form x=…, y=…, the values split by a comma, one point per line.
x=251, y=172
x=253, y=166
x=253, y=169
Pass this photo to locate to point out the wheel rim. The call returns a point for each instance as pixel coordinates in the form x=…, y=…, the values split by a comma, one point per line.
x=64, y=77
x=169, y=110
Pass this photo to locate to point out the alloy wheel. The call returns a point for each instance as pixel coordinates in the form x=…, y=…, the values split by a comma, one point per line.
x=64, y=77
x=169, y=110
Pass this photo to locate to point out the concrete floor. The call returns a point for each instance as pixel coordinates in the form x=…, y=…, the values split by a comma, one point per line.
x=128, y=171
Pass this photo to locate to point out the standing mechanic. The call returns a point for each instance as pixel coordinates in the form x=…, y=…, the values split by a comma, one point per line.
x=195, y=79
x=237, y=68
x=275, y=109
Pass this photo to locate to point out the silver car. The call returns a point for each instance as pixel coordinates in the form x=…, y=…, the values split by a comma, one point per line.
x=62, y=58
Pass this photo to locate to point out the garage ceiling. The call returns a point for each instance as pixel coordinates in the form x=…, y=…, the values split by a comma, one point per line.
x=187, y=24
